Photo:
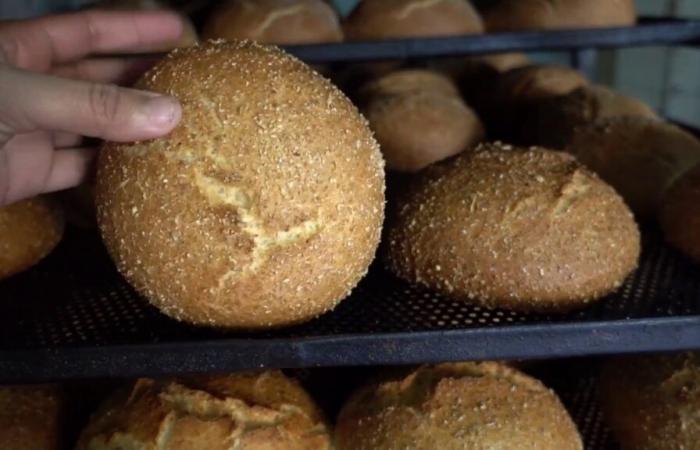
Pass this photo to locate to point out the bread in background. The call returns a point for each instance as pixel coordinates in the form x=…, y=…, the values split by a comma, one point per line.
x=456, y=406
x=29, y=231
x=246, y=411
x=652, y=402
x=31, y=417
x=418, y=118
x=551, y=122
x=679, y=214
x=262, y=208
x=532, y=15
x=281, y=22
x=639, y=157
x=395, y=19
x=526, y=230
x=189, y=33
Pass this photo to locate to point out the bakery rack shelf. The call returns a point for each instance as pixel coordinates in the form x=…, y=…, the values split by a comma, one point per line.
x=648, y=32
x=73, y=316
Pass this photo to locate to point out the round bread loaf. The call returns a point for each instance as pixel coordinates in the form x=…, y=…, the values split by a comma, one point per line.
x=529, y=230
x=395, y=19
x=419, y=118
x=652, y=402
x=282, y=22
x=29, y=231
x=639, y=157
x=247, y=411
x=523, y=15
x=189, y=34
x=680, y=214
x=30, y=417
x=551, y=121
x=457, y=406
x=262, y=208
x=536, y=82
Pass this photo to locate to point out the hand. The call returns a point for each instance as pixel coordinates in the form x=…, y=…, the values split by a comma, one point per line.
x=44, y=115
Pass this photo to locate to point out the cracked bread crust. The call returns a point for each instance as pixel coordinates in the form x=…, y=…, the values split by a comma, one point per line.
x=282, y=22
x=246, y=411
x=523, y=15
x=392, y=19
x=529, y=230
x=456, y=406
x=262, y=208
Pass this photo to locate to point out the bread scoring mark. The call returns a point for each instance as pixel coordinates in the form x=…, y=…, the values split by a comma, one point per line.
x=264, y=241
x=411, y=7
x=576, y=187
x=165, y=431
x=275, y=16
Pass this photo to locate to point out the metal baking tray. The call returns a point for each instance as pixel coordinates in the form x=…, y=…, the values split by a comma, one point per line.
x=648, y=32
x=74, y=316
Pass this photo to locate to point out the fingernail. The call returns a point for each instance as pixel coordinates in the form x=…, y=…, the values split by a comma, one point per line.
x=162, y=112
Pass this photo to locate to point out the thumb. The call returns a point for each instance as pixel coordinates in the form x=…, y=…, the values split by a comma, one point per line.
x=30, y=101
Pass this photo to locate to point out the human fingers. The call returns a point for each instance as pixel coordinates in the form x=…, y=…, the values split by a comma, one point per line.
x=123, y=71
x=38, y=44
x=86, y=108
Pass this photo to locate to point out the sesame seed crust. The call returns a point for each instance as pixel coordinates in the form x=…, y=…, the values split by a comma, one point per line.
x=529, y=230
x=262, y=208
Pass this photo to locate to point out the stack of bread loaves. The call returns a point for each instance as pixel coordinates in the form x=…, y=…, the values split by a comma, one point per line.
x=418, y=118
x=262, y=208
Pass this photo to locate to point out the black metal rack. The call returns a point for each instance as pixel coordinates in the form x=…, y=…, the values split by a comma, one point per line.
x=73, y=316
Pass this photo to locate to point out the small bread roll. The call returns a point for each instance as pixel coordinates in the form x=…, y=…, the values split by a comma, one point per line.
x=680, y=214
x=418, y=118
x=395, y=19
x=537, y=82
x=281, y=22
x=524, y=15
x=457, y=406
x=652, y=402
x=189, y=34
x=551, y=121
x=29, y=231
x=247, y=411
x=528, y=230
x=30, y=417
x=262, y=208
x=639, y=157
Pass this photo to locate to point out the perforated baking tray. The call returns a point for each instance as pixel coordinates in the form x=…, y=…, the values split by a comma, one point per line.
x=74, y=316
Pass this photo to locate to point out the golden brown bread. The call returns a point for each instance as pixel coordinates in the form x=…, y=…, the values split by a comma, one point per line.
x=652, y=402
x=679, y=214
x=457, y=406
x=523, y=15
x=418, y=118
x=551, y=122
x=247, y=411
x=189, y=34
x=282, y=22
x=394, y=19
x=30, y=417
x=529, y=230
x=262, y=208
x=29, y=231
x=536, y=82
x=639, y=157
